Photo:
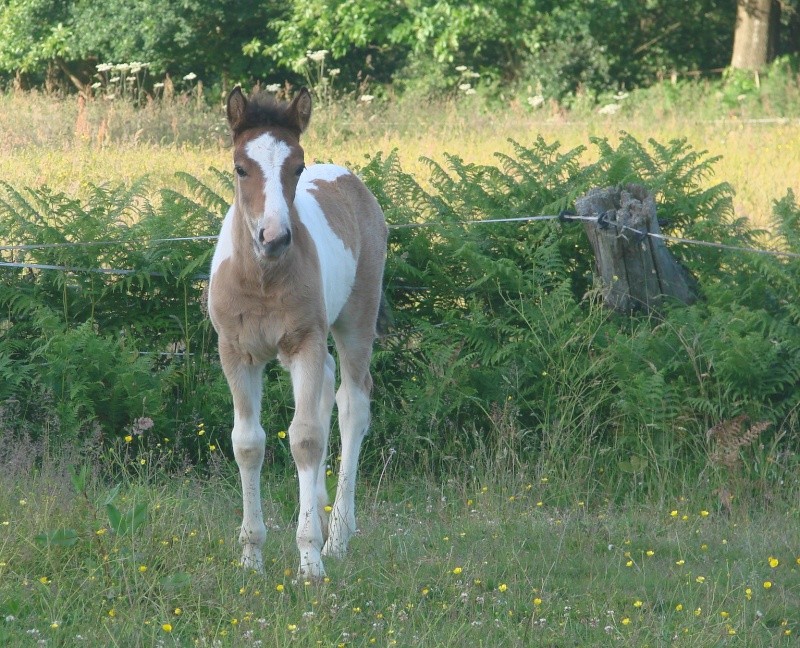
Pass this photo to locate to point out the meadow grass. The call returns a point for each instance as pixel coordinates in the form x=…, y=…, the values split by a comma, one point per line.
x=480, y=556
x=68, y=147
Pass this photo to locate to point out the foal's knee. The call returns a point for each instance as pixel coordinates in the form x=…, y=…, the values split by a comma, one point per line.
x=248, y=449
x=306, y=444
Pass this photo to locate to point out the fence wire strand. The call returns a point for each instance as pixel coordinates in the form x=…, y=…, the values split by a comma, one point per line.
x=396, y=226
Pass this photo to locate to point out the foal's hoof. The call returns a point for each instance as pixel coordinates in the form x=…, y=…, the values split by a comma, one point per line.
x=251, y=558
x=334, y=549
x=312, y=571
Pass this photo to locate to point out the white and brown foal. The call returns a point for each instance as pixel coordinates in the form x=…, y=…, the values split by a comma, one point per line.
x=300, y=254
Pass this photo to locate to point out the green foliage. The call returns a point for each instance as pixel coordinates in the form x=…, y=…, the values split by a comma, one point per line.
x=504, y=318
x=175, y=38
x=559, y=49
x=500, y=345
x=31, y=34
x=120, y=334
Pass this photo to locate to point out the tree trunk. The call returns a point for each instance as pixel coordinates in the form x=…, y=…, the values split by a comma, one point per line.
x=756, y=35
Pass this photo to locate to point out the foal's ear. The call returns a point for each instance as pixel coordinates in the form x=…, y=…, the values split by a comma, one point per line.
x=237, y=106
x=299, y=110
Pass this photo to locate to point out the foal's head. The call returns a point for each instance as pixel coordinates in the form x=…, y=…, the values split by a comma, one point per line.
x=268, y=161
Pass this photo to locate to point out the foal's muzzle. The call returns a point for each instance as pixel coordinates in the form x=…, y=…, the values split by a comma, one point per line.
x=274, y=248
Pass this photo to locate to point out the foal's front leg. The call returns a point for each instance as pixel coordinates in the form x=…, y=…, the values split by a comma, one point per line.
x=245, y=381
x=307, y=440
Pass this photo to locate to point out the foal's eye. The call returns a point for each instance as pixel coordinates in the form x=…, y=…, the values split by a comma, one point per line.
x=240, y=171
x=300, y=170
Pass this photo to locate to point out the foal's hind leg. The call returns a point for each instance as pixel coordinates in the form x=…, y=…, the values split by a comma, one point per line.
x=352, y=400
x=325, y=410
x=248, y=448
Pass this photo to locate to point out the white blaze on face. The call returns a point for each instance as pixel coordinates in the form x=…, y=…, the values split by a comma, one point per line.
x=270, y=154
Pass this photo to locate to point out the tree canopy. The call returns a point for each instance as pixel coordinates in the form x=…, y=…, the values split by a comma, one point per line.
x=560, y=47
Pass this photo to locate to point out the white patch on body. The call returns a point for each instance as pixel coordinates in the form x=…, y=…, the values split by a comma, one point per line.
x=223, y=249
x=336, y=263
x=270, y=153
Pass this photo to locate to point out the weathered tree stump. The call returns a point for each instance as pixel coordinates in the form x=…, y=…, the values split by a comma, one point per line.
x=637, y=270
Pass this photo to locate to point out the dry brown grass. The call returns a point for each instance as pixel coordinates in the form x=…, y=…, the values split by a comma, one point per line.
x=68, y=145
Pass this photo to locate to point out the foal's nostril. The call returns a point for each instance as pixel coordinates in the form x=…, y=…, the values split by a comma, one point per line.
x=278, y=246
x=261, y=236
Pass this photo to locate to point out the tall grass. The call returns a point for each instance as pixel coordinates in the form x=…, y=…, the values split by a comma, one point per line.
x=69, y=144
x=482, y=557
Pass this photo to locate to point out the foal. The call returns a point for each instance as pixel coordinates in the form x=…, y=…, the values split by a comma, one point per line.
x=301, y=253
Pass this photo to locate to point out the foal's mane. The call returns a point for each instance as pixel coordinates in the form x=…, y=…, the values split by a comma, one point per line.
x=264, y=111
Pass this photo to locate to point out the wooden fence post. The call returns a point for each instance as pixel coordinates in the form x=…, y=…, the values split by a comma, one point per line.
x=637, y=270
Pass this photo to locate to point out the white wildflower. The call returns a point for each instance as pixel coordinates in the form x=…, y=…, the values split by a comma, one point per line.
x=104, y=67
x=158, y=85
x=461, y=68
x=190, y=77
x=465, y=86
x=96, y=85
x=470, y=91
x=273, y=87
x=536, y=101
x=366, y=98
x=334, y=72
x=318, y=56
x=609, y=109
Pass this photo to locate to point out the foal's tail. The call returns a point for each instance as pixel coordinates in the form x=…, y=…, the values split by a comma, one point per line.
x=385, y=319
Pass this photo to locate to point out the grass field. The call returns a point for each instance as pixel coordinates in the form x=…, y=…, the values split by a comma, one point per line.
x=67, y=147
x=478, y=558
x=141, y=550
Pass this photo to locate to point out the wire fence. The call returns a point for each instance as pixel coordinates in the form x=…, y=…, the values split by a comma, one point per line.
x=564, y=217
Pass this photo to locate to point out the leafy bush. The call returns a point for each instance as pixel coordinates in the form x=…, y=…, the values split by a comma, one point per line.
x=500, y=345
x=567, y=48
x=499, y=317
